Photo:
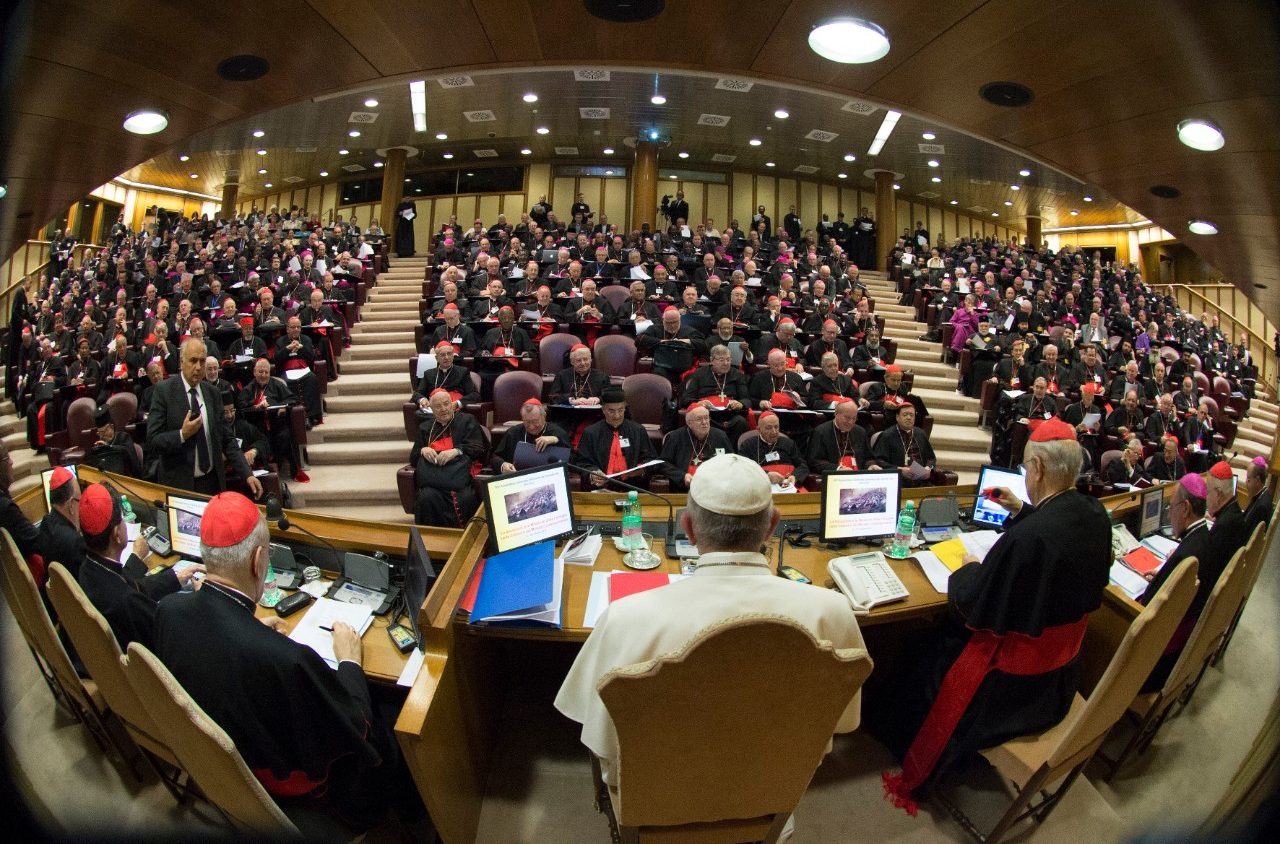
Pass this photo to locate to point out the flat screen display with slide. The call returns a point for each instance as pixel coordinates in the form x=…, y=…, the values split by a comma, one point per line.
x=184, y=524
x=858, y=505
x=526, y=507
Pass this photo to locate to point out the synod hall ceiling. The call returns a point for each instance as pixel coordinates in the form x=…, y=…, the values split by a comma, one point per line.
x=1105, y=86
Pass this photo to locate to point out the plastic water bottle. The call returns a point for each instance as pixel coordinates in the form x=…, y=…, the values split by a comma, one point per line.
x=126, y=510
x=632, y=523
x=906, y=530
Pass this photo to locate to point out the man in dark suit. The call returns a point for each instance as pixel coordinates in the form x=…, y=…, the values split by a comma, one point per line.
x=1260, y=505
x=186, y=433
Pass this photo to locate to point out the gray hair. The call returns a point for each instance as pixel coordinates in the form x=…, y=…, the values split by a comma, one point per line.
x=716, y=531
x=718, y=350
x=1061, y=460
x=229, y=562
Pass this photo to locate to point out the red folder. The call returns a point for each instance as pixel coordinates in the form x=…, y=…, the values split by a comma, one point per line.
x=468, y=601
x=1142, y=561
x=624, y=583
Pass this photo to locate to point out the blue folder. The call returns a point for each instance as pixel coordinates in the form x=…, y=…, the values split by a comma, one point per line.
x=519, y=579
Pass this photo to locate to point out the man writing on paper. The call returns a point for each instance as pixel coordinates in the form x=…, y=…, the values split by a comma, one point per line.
x=1006, y=663
x=309, y=733
x=614, y=444
x=730, y=513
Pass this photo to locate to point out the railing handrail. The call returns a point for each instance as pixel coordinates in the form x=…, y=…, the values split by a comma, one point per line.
x=4, y=294
x=1267, y=360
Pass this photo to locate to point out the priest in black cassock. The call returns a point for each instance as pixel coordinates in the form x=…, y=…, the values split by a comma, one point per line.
x=775, y=452
x=614, y=444
x=533, y=429
x=839, y=444
x=721, y=386
x=449, y=446
x=579, y=383
x=903, y=444
x=308, y=732
x=831, y=386
x=405, y=212
x=687, y=448
x=1007, y=661
x=454, y=378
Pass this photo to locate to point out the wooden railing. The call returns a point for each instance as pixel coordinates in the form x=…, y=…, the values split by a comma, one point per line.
x=27, y=264
x=1207, y=298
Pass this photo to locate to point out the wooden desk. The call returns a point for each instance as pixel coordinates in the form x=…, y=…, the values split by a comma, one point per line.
x=382, y=661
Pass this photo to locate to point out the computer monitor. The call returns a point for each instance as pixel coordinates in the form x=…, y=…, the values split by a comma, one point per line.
x=419, y=577
x=529, y=506
x=1151, y=509
x=46, y=476
x=858, y=505
x=184, y=524
x=985, y=511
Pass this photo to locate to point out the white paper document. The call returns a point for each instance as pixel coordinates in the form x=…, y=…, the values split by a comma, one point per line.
x=1129, y=581
x=411, y=668
x=917, y=472
x=597, y=599
x=1160, y=546
x=1091, y=420
x=296, y=374
x=979, y=542
x=934, y=569
x=634, y=469
x=326, y=612
x=779, y=489
x=642, y=325
x=426, y=363
x=638, y=274
x=586, y=552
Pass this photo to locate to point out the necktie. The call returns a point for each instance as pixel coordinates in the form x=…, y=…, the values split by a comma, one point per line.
x=617, y=460
x=202, y=445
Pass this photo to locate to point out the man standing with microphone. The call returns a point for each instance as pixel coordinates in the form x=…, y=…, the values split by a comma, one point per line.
x=186, y=432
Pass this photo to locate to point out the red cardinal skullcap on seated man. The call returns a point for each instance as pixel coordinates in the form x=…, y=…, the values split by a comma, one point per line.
x=1221, y=470
x=60, y=476
x=228, y=520
x=97, y=509
x=1053, y=429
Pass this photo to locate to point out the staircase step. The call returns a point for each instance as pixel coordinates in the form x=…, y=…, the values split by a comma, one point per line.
x=350, y=486
x=368, y=513
x=381, y=334
x=404, y=325
x=372, y=383
x=957, y=460
x=367, y=426
x=377, y=319
x=9, y=424
x=7, y=407
x=946, y=398
x=371, y=366
x=358, y=403
x=378, y=351
x=16, y=439
x=359, y=453
x=959, y=438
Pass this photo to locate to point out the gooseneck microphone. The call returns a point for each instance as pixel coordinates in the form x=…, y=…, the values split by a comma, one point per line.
x=670, y=542
x=276, y=516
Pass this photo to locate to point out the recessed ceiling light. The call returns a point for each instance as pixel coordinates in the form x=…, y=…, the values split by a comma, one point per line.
x=608, y=172
x=4, y=190
x=471, y=174
x=267, y=185
x=1201, y=134
x=1202, y=227
x=897, y=187
x=343, y=151
x=608, y=150
x=848, y=156
x=673, y=175
x=994, y=214
x=543, y=130
x=530, y=97
x=371, y=103
x=324, y=173
x=769, y=164
x=954, y=202
x=408, y=180
x=354, y=133
x=1015, y=187
x=929, y=136
x=1075, y=213
x=933, y=162
x=258, y=133
x=441, y=136
x=781, y=114
x=936, y=179
x=526, y=151
x=658, y=99
x=1008, y=202
x=755, y=142
x=448, y=155
x=842, y=175
x=891, y=118
x=262, y=152
x=1088, y=199
x=849, y=40
x=683, y=154
x=262, y=171
x=377, y=164
x=1024, y=172
x=184, y=157
x=146, y=121
x=418, y=104
x=195, y=175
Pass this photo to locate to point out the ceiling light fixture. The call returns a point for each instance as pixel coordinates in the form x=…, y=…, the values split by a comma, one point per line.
x=146, y=121
x=608, y=150
x=258, y=133
x=608, y=172
x=1201, y=134
x=936, y=180
x=658, y=99
x=195, y=175
x=184, y=157
x=954, y=202
x=447, y=156
x=842, y=175
x=371, y=103
x=1088, y=199
x=4, y=190
x=543, y=130
x=849, y=40
x=530, y=97
x=262, y=171
x=995, y=214
x=769, y=164
x=782, y=114
x=886, y=129
x=262, y=152
x=526, y=151
x=442, y=136
x=1202, y=227
x=354, y=133
x=377, y=164
x=933, y=162
x=929, y=136
x=848, y=156
x=755, y=142
x=1075, y=213
x=683, y=154
x=1008, y=202
x=343, y=151
x=266, y=184
x=1015, y=187
x=897, y=187
x=324, y=173
x=418, y=104
x=1024, y=173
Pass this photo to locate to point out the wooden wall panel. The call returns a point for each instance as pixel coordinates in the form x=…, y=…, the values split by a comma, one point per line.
x=767, y=191
x=809, y=208
x=615, y=202
x=561, y=196
x=513, y=205
x=717, y=204
x=538, y=182
x=489, y=203
x=740, y=204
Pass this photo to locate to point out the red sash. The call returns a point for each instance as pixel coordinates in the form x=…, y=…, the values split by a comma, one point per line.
x=500, y=351
x=1012, y=653
x=847, y=463
x=780, y=399
x=691, y=470
x=446, y=443
x=832, y=397
x=292, y=364
x=716, y=400
x=617, y=460
x=40, y=423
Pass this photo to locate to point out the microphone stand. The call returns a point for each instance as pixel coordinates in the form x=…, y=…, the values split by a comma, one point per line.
x=670, y=543
x=276, y=516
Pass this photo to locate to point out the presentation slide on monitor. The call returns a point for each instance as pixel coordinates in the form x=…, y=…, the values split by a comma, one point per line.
x=529, y=508
x=1152, y=510
x=988, y=512
x=184, y=525
x=861, y=505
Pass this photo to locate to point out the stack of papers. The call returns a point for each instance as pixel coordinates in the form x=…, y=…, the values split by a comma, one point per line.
x=520, y=587
x=586, y=551
x=326, y=612
x=1129, y=581
x=603, y=590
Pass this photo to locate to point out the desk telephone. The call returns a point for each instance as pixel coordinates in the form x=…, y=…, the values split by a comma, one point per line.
x=867, y=580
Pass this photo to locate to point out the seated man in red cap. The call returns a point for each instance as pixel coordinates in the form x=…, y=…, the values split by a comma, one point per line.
x=452, y=331
x=721, y=388
x=888, y=395
x=1229, y=526
x=1166, y=464
x=674, y=347
x=579, y=383
x=903, y=445
x=247, y=344
x=614, y=445
x=124, y=593
x=778, y=386
x=501, y=349
x=1127, y=419
x=1034, y=407
x=60, y=538
x=1007, y=661
x=454, y=378
x=687, y=448
x=831, y=386
x=445, y=457
x=1187, y=510
x=1127, y=468
x=840, y=443
x=533, y=429
x=775, y=452
x=308, y=732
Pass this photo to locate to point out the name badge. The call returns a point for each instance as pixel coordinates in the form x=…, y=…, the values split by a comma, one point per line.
x=719, y=451
x=457, y=339
x=1048, y=415
x=623, y=442
x=772, y=457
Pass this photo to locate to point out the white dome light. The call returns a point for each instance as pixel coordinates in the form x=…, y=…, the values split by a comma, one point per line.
x=258, y=133
x=262, y=152
x=267, y=185
x=543, y=130
x=683, y=154
x=842, y=175
x=441, y=136
x=371, y=103
x=1202, y=227
x=1088, y=199
x=755, y=142
x=377, y=164
x=448, y=156
x=954, y=202
x=782, y=114
x=343, y=151
x=769, y=164
x=929, y=136
x=262, y=171
x=1015, y=187
x=607, y=150
x=184, y=157
x=526, y=151
x=324, y=173
x=658, y=99
x=1024, y=173
x=354, y=133
x=897, y=187
x=530, y=97
x=933, y=162
x=146, y=121
x=936, y=180
x=849, y=41
x=1201, y=135
x=848, y=156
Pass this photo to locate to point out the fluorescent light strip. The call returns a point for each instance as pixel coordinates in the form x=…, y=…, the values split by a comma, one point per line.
x=1102, y=227
x=162, y=189
x=886, y=129
x=418, y=103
